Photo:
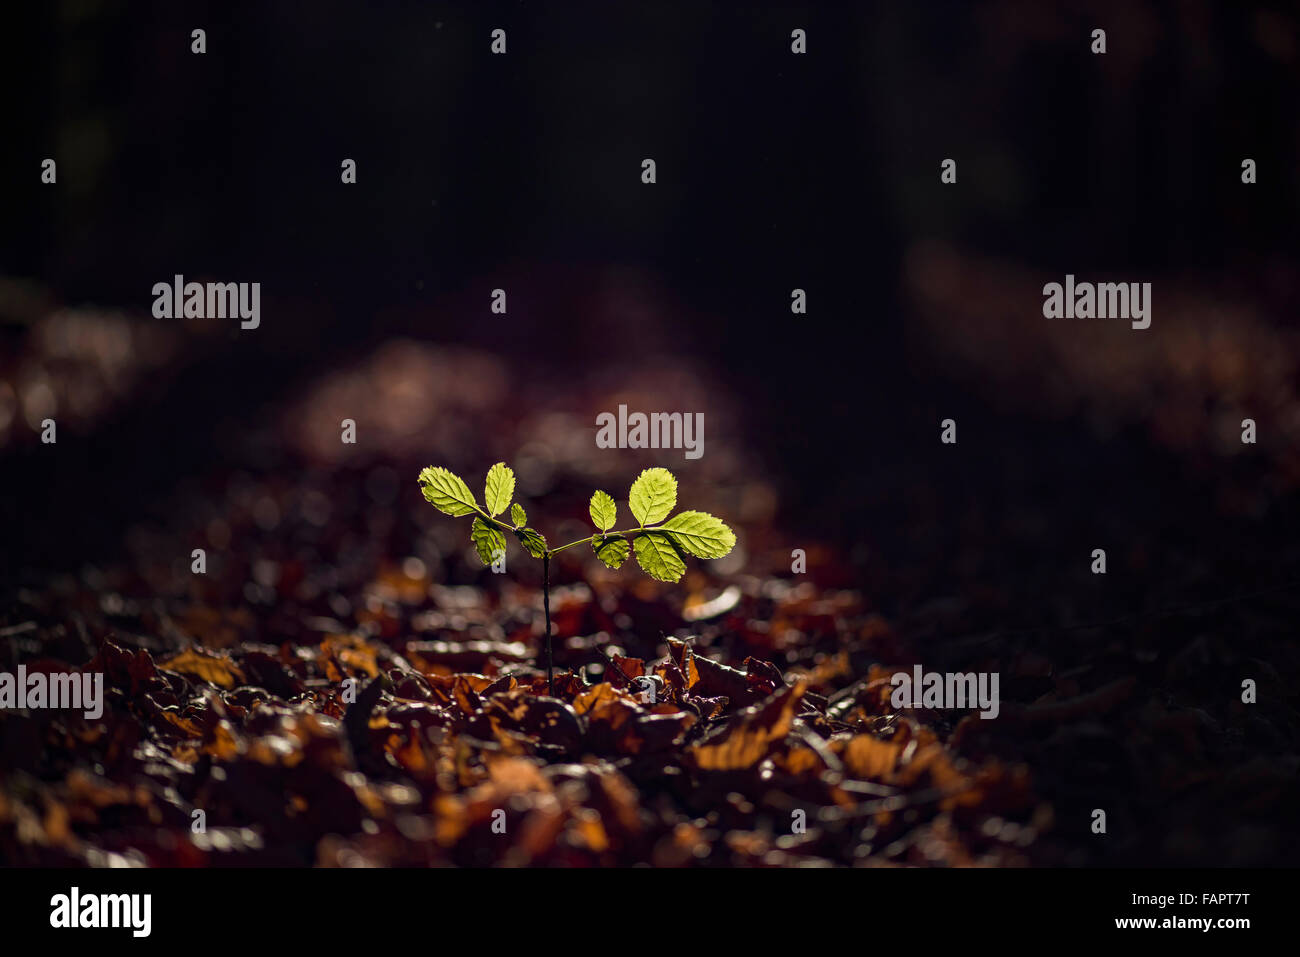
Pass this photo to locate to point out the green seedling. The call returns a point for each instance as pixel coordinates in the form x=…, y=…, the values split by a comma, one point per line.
x=659, y=543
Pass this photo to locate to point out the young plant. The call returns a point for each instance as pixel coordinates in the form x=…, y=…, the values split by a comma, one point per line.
x=659, y=543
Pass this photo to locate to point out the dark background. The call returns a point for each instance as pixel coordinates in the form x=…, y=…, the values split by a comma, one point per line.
x=774, y=172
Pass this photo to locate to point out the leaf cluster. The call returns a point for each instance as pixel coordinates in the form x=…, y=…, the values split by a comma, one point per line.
x=659, y=543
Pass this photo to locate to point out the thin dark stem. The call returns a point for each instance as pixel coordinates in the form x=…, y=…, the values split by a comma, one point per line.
x=546, y=607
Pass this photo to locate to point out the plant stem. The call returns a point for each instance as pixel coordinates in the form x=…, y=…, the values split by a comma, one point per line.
x=626, y=533
x=546, y=608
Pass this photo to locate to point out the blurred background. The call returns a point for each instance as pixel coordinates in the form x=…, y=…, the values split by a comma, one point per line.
x=775, y=172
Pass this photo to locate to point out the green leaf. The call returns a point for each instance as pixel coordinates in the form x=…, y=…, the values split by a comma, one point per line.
x=532, y=541
x=447, y=491
x=518, y=515
x=489, y=541
x=500, y=488
x=612, y=551
x=603, y=510
x=700, y=534
x=653, y=496
x=658, y=557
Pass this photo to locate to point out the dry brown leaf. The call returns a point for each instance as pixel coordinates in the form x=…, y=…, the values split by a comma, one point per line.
x=746, y=742
x=871, y=759
x=214, y=669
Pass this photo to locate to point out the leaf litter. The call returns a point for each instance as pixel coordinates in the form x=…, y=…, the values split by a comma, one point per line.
x=377, y=717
